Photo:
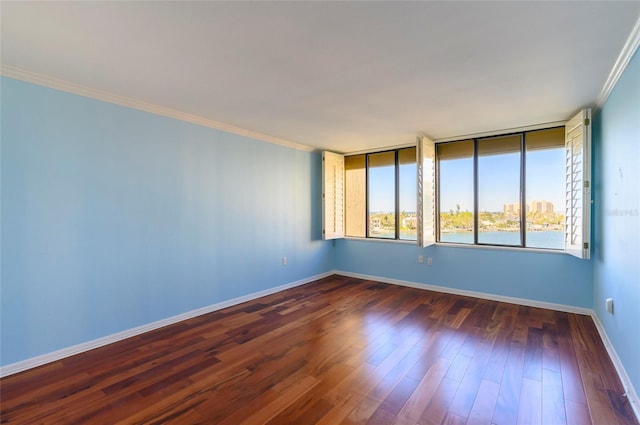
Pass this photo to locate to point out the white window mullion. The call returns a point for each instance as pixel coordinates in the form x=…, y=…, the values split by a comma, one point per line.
x=578, y=185
x=332, y=195
x=426, y=226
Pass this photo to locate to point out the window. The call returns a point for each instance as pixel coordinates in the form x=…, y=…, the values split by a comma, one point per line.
x=529, y=189
x=455, y=189
x=545, y=175
x=407, y=189
x=486, y=195
x=499, y=182
x=380, y=195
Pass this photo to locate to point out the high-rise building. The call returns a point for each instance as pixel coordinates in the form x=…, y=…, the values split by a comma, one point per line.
x=511, y=208
x=541, y=206
x=533, y=206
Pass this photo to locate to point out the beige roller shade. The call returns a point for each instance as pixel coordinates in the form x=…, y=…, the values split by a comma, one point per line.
x=383, y=159
x=455, y=150
x=545, y=139
x=355, y=195
x=407, y=156
x=499, y=145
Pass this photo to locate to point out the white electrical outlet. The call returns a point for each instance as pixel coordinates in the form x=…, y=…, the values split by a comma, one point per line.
x=429, y=262
x=420, y=259
x=284, y=261
x=608, y=303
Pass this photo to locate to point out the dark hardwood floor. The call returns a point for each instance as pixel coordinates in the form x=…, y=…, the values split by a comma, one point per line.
x=337, y=351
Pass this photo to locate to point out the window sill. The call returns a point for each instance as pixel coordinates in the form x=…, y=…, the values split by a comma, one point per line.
x=463, y=246
x=396, y=241
x=501, y=248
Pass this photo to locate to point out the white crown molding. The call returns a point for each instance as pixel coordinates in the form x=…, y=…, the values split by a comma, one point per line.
x=628, y=50
x=630, y=392
x=65, y=86
x=109, y=339
x=474, y=294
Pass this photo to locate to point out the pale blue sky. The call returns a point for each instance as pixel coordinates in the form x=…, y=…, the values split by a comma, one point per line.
x=381, y=188
x=499, y=179
x=498, y=182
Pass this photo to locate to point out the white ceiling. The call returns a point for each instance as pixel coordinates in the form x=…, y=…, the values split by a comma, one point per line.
x=344, y=76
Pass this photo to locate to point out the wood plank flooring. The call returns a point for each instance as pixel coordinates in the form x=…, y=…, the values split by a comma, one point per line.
x=337, y=351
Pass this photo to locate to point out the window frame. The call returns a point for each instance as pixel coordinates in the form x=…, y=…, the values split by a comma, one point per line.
x=577, y=146
x=397, y=221
x=522, y=134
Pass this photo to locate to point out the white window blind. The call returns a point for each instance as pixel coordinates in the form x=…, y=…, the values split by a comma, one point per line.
x=332, y=195
x=426, y=154
x=578, y=185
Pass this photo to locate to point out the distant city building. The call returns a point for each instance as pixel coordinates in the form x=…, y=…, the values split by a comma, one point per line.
x=541, y=206
x=511, y=209
x=533, y=206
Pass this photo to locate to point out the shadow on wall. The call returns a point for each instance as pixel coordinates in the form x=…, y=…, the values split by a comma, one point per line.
x=597, y=212
x=316, y=195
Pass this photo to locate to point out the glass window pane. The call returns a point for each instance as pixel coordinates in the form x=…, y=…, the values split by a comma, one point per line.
x=382, y=195
x=545, y=188
x=408, y=190
x=455, y=176
x=355, y=195
x=499, y=191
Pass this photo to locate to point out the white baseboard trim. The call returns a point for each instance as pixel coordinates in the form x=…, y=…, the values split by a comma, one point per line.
x=632, y=396
x=90, y=345
x=474, y=294
x=109, y=339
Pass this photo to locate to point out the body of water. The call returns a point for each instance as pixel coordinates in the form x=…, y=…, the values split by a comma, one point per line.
x=547, y=240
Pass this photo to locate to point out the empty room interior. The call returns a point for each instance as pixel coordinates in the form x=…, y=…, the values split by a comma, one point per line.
x=320, y=212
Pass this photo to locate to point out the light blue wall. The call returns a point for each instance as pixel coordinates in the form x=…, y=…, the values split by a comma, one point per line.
x=114, y=218
x=555, y=278
x=617, y=211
